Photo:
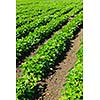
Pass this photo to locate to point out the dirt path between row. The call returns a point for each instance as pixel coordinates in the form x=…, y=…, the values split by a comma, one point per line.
x=54, y=83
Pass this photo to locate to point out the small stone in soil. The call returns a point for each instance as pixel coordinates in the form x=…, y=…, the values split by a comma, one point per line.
x=47, y=94
x=51, y=68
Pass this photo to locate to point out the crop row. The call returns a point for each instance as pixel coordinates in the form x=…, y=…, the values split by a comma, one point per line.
x=23, y=45
x=32, y=13
x=35, y=67
x=38, y=10
x=21, y=24
x=73, y=88
x=42, y=20
x=27, y=11
x=37, y=4
x=31, y=6
x=29, y=17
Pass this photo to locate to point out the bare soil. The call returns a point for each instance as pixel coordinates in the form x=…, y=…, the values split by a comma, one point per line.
x=51, y=87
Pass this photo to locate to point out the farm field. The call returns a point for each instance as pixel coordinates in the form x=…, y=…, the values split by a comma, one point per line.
x=44, y=31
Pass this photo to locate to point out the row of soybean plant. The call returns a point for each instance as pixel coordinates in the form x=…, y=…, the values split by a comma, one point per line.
x=73, y=88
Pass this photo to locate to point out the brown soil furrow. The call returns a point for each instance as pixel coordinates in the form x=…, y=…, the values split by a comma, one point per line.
x=54, y=83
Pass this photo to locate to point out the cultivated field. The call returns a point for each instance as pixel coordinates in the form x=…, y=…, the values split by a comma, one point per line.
x=44, y=31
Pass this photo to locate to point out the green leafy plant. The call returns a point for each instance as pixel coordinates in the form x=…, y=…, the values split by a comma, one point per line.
x=73, y=88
